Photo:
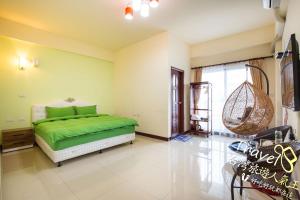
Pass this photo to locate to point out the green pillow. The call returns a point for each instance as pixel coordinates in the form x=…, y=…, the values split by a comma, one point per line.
x=60, y=111
x=86, y=110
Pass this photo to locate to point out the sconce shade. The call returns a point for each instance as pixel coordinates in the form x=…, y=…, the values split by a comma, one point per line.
x=23, y=62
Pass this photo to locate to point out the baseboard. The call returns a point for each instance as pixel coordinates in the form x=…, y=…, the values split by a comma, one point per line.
x=153, y=136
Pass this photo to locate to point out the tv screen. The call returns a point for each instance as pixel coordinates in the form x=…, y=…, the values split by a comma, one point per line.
x=290, y=76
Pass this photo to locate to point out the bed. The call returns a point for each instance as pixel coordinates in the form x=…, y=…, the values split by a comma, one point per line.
x=63, y=138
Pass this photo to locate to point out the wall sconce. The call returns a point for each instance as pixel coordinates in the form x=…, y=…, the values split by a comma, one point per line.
x=24, y=62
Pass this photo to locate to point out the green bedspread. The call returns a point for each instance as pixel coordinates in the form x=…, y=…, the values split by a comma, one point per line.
x=56, y=130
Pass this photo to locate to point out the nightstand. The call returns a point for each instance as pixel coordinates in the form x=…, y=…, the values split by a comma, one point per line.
x=16, y=139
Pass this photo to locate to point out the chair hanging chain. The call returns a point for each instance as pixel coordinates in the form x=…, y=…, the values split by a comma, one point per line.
x=264, y=74
x=247, y=74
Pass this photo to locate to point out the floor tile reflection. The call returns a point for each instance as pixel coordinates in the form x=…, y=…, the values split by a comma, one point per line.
x=148, y=169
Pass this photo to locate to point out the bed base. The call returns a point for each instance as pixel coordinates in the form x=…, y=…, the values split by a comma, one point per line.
x=79, y=150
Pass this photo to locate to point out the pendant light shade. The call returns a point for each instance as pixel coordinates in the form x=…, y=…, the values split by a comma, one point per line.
x=154, y=3
x=141, y=6
x=136, y=5
x=128, y=13
x=145, y=9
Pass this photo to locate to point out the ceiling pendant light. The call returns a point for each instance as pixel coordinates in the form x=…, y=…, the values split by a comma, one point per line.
x=128, y=13
x=142, y=6
x=136, y=5
x=154, y=3
x=145, y=9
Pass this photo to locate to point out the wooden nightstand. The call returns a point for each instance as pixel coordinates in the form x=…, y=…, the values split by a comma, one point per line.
x=16, y=139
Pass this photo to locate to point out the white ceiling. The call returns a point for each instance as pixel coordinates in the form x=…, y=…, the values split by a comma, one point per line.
x=101, y=22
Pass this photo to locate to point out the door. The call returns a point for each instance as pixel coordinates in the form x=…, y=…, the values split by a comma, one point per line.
x=177, y=104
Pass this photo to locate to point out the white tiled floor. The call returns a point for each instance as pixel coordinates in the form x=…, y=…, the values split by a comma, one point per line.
x=147, y=170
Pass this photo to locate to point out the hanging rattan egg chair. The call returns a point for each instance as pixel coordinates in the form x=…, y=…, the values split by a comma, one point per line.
x=248, y=110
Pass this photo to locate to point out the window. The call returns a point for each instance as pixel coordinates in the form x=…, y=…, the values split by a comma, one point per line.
x=224, y=79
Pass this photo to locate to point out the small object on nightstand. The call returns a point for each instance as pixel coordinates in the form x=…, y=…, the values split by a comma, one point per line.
x=16, y=139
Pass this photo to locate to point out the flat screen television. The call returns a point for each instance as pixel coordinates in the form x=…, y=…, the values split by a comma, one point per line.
x=290, y=76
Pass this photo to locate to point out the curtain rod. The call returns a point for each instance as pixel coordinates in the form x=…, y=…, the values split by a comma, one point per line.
x=232, y=62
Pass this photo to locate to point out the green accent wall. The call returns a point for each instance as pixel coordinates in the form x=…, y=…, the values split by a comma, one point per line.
x=59, y=75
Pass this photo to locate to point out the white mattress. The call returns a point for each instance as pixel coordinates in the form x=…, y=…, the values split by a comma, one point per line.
x=72, y=152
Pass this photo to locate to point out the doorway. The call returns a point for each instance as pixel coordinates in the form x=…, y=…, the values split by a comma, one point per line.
x=177, y=102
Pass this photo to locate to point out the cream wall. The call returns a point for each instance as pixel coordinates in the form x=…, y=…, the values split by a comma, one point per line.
x=142, y=81
x=179, y=57
x=141, y=84
x=22, y=32
x=278, y=103
x=241, y=54
x=251, y=43
x=292, y=26
x=59, y=75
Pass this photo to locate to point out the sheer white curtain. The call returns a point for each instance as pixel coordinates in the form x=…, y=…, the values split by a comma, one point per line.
x=225, y=79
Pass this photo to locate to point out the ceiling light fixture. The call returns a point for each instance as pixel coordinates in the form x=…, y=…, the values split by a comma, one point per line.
x=136, y=5
x=128, y=13
x=142, y=6
x=145, y=9
x=154, y=3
